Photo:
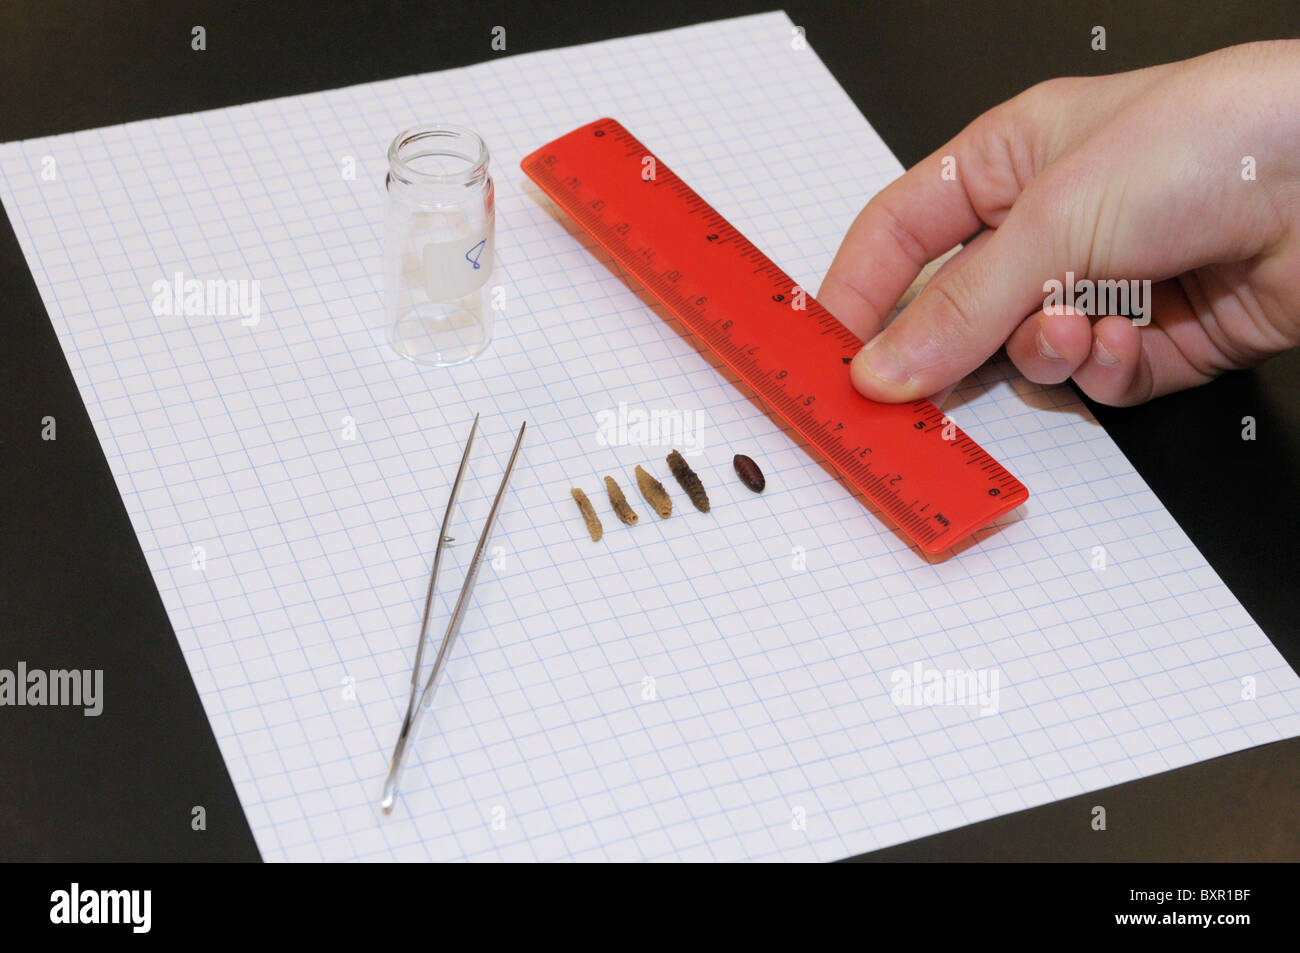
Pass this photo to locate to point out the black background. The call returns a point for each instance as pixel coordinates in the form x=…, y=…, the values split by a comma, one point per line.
x=75, y=589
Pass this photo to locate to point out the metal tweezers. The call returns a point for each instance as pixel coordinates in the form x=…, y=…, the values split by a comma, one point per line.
x=413, y=709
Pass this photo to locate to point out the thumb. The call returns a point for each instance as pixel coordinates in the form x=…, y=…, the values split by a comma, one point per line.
x=964, y=315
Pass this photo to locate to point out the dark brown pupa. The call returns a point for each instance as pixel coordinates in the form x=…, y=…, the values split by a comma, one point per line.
x=749, y=473
x=588, y=514
x=654, y=493
x=617, y=500
x=689, y=480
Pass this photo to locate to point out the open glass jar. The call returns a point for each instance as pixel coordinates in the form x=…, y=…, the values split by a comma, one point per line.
x=439, y=225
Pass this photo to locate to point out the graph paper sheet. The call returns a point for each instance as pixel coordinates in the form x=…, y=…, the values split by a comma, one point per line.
x=718, y=686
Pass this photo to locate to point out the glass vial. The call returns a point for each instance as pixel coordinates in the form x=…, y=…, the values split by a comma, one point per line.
x=439, y=225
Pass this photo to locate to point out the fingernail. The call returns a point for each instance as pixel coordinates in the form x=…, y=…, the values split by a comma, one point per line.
x=882, y=361
x=1045, y=349
x=1102, y=356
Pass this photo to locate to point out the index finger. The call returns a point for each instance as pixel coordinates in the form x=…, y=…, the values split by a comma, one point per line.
x=912, y=221
x=973, y=180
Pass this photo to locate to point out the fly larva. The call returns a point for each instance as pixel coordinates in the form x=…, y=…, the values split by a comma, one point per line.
x=749, y=473
x=588, y=515
x=689, y=481
x=619, y=502
x=654, y=493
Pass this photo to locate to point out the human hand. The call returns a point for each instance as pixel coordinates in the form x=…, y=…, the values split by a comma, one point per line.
x=1140, y=175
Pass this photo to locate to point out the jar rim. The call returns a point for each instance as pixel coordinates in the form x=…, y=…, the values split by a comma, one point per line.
x=400, y=168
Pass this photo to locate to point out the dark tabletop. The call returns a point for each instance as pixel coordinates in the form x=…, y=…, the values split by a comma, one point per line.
x=75, y=590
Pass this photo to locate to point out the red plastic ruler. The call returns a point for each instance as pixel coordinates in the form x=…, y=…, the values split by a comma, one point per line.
x=927, y=476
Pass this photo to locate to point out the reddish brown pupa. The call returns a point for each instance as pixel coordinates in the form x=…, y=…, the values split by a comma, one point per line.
x=749, y=473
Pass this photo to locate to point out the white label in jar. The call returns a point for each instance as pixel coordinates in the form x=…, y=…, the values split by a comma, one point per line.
x=457, y=268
